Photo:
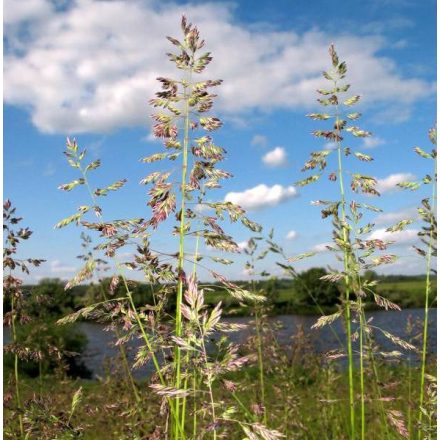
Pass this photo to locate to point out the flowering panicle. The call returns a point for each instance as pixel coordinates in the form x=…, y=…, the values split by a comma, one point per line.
x=351, y=238
x=183, y=104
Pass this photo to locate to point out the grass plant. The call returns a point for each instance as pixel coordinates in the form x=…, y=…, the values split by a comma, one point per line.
x=428, y=235
x=358, y=252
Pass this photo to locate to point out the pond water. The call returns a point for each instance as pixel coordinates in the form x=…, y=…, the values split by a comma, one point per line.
x=100, y=350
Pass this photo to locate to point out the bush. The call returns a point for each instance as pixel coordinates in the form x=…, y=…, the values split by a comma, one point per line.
x=310, y=289
x=50, y=348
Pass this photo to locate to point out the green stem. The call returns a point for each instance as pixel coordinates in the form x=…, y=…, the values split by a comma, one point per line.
x=427, y=293
x=211, y=398
x=195, y=406
x=243, y=407
x=153, y=355
x=185, y=385
x=180, y=261
x=260, y=364
x=361, y=367
x=209, y=383
x=362, y=326
x=347, y=289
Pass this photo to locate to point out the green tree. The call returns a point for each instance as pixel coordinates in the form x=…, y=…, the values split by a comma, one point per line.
x=310, y=288
x=370, y=275
x=56, y=304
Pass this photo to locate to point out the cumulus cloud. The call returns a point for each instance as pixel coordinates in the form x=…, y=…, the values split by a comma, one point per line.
x=401, y=237
x=396, y=216
x=91, y=66
x=372, y=142
x=276, y=157
x=388, y=184
x=261, y=196
x=16, y=12
x=291, y=235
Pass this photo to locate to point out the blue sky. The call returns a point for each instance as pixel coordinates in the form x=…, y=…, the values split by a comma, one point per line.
x=88, y=68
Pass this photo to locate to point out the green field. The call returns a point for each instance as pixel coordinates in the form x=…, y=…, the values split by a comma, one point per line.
x=407, y=294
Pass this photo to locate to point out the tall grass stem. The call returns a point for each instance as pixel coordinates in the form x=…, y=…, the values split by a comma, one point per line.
x=181, y=256
x=347, y=286
x=426, y=311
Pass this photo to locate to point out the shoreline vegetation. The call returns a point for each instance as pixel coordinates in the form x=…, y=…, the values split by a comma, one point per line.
x=283, y=295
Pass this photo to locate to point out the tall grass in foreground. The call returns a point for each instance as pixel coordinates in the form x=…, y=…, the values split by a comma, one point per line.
x=359, y=251
x=177, y=346
x=429, y=237
x=36, y=346
x=427, y=213
x=13, y=293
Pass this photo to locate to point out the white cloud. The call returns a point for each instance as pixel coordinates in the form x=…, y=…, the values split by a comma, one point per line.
x=392, y=114
x=87, y=68
x=330, y=146
x=56, y=267
x=372, y=142
x=396, y=216
x=261, y=196
x=291, y=235
x=276, y=157
x=201, y=207
x=16, y=12
x=393, y=23
x=247, y=273
x=322, y=247
x=401, y=237
x=150, y=137
x=389, y=183
x=242, y=245
x=259, y=141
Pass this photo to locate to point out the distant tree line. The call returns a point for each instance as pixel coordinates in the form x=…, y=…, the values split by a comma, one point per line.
x=307, y=290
